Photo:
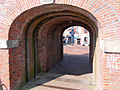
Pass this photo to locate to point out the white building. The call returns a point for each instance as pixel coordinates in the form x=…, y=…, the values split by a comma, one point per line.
x=81, y=35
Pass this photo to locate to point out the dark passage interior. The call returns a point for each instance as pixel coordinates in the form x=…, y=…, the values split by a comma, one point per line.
x=75, y=53
x=44, y=49
x=73, y=72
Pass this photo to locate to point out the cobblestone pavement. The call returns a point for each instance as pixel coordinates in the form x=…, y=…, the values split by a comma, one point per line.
x=72, y=73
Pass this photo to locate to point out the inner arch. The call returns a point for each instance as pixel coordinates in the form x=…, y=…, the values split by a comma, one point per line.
x=54, y=23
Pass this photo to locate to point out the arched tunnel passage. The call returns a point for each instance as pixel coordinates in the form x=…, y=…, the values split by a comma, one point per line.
x=40, y=37
x=76, y=54
x=44, y=39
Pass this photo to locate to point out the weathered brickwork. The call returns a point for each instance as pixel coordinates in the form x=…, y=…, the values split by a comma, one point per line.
x=15, y=18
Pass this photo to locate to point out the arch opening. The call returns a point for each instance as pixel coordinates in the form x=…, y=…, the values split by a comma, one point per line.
x=42, y=36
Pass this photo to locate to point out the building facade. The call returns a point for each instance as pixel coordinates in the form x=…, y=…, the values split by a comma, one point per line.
x=81, y=36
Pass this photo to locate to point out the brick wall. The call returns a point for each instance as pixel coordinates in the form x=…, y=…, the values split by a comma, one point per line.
x=12, y=60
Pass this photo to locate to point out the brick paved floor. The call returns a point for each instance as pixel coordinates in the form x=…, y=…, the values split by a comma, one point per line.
x=72, y=73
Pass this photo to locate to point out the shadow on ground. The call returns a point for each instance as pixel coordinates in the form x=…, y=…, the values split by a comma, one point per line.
x=73, y=65
x=76, y=65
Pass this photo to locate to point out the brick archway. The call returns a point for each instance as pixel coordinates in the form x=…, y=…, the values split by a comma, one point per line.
x=37, y=43
x=14, y=26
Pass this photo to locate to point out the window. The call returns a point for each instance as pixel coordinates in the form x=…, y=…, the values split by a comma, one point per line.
x=85, y=31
